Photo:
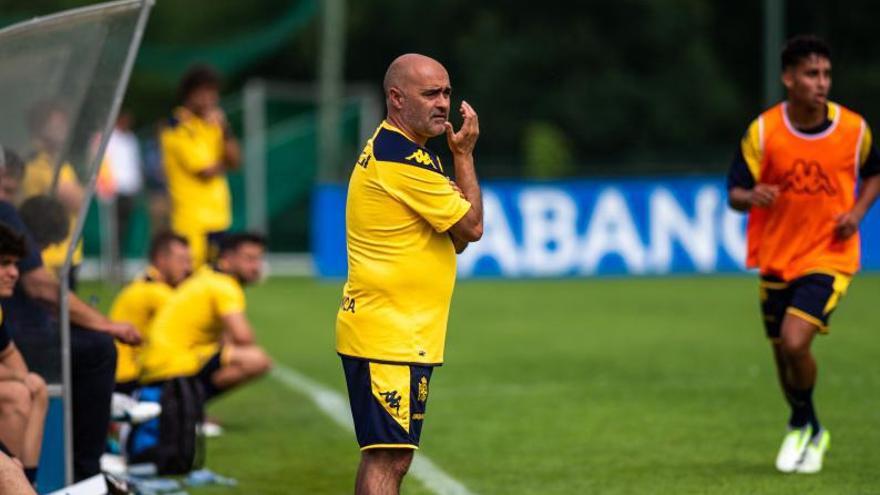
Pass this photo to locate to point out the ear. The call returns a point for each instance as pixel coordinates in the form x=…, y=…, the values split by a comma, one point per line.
x=396, y=97
x=787, y=78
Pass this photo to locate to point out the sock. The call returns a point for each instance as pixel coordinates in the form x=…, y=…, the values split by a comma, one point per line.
x=803, y=411
x=31, y=474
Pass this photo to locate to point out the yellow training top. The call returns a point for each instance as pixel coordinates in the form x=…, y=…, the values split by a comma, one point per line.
x=188, y=329
x=137, y=304
x=190, y=145
x=401, y=261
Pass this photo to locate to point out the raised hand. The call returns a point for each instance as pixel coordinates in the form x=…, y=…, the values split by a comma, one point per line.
x=464, y=141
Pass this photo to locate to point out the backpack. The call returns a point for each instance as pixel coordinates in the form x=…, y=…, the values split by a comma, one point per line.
x=173, y=441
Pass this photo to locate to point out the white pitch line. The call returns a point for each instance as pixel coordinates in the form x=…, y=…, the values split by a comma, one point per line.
x=334, y=405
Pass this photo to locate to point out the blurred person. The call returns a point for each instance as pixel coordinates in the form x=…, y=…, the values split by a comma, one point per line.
x=24, y=398
x=202, y=330
x=198, y=148
x=156, y=185
x=796, y=174
x=123, y=157
x=139, y=301
x=405, y=222
x=49, y=126
x=29, y=318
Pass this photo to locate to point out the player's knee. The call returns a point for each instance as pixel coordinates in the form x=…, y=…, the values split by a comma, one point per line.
x=393, y=461
x=256, y=362
x=400, y=462
x=39, y=389
x=264, y=362
x=794, y=347
x=15, y=398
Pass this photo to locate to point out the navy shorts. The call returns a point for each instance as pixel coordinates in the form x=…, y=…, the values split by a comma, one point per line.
x=204, y=375
x=812, y=297
x=387, y=402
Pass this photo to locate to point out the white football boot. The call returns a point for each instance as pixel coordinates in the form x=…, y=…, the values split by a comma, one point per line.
x=815, y=453
x=793, y=447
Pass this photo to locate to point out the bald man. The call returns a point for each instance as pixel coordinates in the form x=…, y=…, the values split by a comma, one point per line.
x=406, y=220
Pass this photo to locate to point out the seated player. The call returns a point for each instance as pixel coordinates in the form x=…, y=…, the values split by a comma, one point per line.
x=24, y=397
x=202, y=330
x=46, y=220
x=139, y=301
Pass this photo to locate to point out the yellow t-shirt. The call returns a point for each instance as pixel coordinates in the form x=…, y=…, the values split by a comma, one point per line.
x=37, y=180
x=187, y=330
x=401, y=261
x=189, y=145
x=137, y=304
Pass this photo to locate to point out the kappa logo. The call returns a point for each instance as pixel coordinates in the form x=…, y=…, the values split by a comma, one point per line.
x=419, y=156
x=423, y=389
x=347, y=304
x=392, y=399
x=364, y=159
x=807, y=177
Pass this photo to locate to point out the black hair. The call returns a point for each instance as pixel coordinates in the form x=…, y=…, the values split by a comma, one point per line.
x=196, y=77
x=11, y=165
x=46, y=219
x=232, y=242
x=11, y=242
x=161, y=242
x=802, y=46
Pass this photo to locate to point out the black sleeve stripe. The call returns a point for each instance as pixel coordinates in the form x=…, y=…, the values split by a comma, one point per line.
x=871, y=167
x=739, y=174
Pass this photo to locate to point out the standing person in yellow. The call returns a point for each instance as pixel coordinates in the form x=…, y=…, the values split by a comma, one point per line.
x=405, y=222
x=202, y=329
x=198, y=148
x=139, y=301
x=49, y=126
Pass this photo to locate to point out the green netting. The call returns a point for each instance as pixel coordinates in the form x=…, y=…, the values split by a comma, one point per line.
x=233, y=54
x=167, y=61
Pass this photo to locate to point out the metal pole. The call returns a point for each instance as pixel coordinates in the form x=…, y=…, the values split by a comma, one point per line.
x=110, y=248
x=774, y=37
x=330, y=81
x=254, y=99
x=64, y=292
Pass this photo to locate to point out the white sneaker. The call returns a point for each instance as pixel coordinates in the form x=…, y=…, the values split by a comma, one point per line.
x=113, y=464
x=124, y=408
x=141, y=412
x=211, y=429
x=815, y=453
x=792, y=450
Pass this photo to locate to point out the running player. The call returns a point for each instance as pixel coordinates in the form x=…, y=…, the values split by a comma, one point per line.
x=796, y=174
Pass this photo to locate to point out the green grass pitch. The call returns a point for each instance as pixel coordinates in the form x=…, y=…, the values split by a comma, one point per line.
x=630, y=386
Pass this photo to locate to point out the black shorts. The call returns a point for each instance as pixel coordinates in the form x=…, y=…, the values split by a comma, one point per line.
x=204, y=375
x=387, y=402
x=812, y=297
x=127, y=388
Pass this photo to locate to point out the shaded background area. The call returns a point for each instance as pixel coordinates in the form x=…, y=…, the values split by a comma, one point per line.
x=586, y=89
x=621, y=87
